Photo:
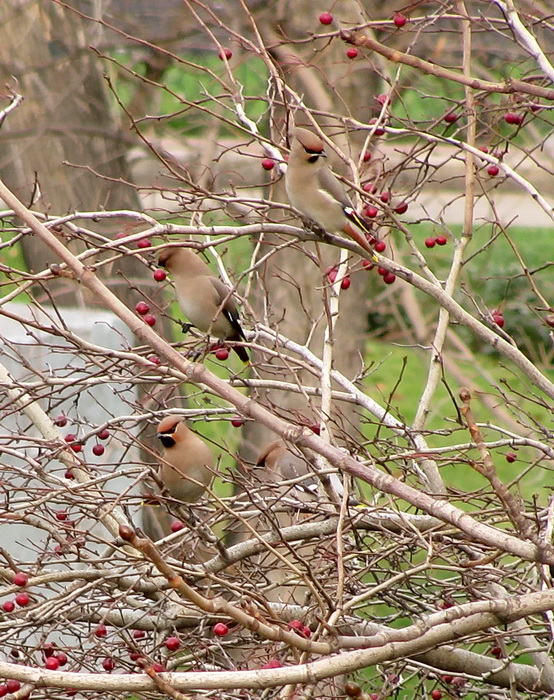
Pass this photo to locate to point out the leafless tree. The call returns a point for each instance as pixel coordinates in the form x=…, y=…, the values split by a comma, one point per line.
x=419, y=563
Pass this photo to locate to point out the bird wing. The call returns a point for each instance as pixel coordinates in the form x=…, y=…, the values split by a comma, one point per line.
x=330, y=184
x=225, y=297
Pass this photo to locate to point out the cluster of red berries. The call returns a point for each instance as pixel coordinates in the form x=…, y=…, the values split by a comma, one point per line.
x=431, y=242
x=75, y=445
x=300, y=628
x=22, y=599
x=142, y=307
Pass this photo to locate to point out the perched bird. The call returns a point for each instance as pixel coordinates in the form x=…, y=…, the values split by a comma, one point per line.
x=205, y=300
x=186, y=467
x=315, y=191
x=282, y=465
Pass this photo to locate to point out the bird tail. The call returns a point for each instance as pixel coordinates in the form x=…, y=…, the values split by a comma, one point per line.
x=353, y=216
x=241, y=352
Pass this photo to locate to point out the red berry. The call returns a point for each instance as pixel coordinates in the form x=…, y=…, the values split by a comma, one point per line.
x=493, y=170
x=3, y=690
x=150, y=319
x=352, y=689
x=296, y=625
x=76, y=447
x=370, y=211
x=101, y=631
x=536, y=108
x=274, y=663
x=441, y=240
x=142, y=308
x=225, y=54
x=20, y=579
x=176, y=525
x=221, y=629
x=70, y=437
x=430, y=242
x=369, y=186
x=325, y=18
x=154, y=359
x=60, y=421
x=511, y=457
x=52, y=664
x=549, y=320
x=108, y=664
x=8, y=606
x=12, y=685
x=451, y=117
x=48, y=649
x=22, y=599
x=69, y=474
x=447, y=679
x=389, y=278
x=497, y=652
x=332, y=274
x=382, y=271
x=62, y=658
x=139, y=634
x=104, y=434
x=483, y=149
x=380, y=246
x=402, y=208
x=399, y=19
x=159, y=275
x=383, y=99
x=352, y=52
x=143, y=243
x=172, y=643
x=306, y=631
x=436, y=694
x=268, y=163
x=385, y=197
x=237, y=422
x=98, y=449
x=122, y=234
x=498, y=320
x=222, y=353
x=366, y=156
x=367, y=264
x=379, y=131
x=345, y=283
x=513, y=118
x=61, y=515
x=158, y=668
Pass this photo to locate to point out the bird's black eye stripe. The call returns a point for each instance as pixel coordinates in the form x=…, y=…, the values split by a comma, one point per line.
x=319, y=151
x=167, y=441
x=313, y=159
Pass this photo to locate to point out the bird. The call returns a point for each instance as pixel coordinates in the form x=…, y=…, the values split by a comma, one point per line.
x=317, y=193
x=282, y=465
x=206, y=301
x=187, y=463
